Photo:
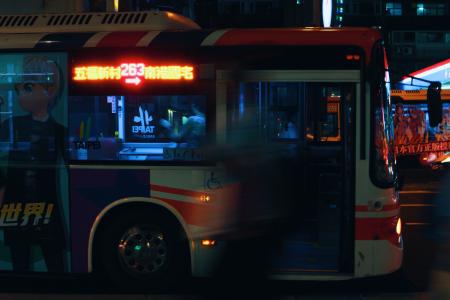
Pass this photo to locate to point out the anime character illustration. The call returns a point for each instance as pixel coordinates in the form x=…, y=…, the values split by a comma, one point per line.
x=400, y=125
x=416, y=125
x=31, y=212
x=443, y=130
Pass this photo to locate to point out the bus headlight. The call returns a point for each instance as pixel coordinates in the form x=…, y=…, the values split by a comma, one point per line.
x=398, y=228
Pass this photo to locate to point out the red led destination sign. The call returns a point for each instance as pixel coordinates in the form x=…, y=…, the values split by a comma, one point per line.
x=133, y=73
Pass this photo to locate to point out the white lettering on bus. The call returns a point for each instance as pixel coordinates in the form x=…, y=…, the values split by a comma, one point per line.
x=142, y=129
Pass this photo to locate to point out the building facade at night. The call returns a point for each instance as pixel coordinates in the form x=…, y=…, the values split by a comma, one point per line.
x=420, y=36
x=40, y=6
x=249, y=13
x=417, y=32
x=267, y=13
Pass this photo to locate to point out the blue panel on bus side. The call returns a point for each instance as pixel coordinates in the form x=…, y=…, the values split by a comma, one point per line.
x=63, y=40
x=90, y=192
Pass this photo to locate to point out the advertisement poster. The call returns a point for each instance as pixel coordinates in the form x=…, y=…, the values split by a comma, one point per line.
x=413, y=133
x=34, y=215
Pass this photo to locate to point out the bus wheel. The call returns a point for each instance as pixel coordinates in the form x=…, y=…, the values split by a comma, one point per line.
x=143, y=251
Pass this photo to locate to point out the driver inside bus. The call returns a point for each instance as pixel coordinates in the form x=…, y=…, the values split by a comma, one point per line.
x=31, y=214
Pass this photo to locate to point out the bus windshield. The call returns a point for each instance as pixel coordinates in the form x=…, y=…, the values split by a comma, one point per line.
x=382, y=158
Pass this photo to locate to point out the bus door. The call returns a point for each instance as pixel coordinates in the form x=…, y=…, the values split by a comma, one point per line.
x=314, y=119
x=329, y=164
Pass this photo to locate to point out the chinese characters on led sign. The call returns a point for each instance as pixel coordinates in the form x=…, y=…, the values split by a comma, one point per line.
x=133, y=73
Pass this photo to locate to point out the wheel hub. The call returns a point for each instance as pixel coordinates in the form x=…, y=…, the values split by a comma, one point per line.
x=142, y=250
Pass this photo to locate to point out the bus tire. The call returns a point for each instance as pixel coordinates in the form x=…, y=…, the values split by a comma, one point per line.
x=143, y=250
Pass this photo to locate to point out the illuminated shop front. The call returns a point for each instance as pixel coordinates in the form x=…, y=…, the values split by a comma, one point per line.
x=414, y=136
x=437, y=72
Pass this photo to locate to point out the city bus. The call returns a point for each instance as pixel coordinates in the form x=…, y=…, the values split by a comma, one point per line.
x=106, y=119
x=417, y=143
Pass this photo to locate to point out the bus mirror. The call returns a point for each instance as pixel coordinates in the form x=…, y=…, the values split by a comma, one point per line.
x=434, y=103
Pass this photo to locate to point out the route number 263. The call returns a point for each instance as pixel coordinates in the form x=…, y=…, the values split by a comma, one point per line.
x=132, y=69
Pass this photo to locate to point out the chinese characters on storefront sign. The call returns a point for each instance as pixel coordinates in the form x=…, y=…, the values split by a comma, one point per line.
x=420, y=148
x=413, y=133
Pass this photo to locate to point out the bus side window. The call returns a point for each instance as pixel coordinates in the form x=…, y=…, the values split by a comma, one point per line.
x=264, y=112
x=138, y=127
x=283, y=111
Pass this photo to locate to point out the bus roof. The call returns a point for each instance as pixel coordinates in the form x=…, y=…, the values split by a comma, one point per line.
x=95, y=22
x=417, y=95
x=141, y=29
x=357, y=36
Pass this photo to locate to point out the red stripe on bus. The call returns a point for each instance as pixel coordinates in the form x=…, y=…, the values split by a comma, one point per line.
x=121, y=39
x=193, y=214
x=171, y=190
x=365, y=208
x=371, y=229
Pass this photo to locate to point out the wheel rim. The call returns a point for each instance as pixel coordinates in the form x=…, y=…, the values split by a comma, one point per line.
x=143, y=250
